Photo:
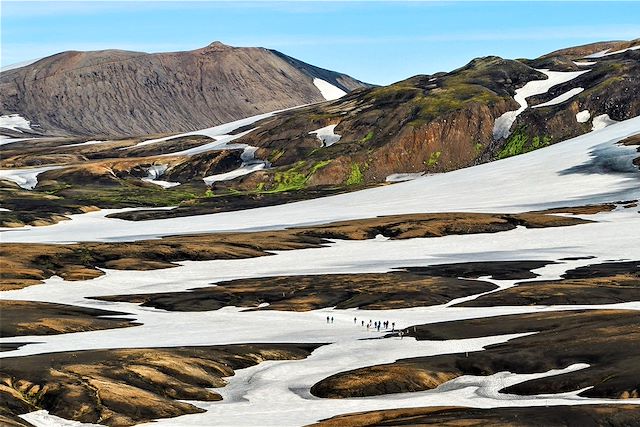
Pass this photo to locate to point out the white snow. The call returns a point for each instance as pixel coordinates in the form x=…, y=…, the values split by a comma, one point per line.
x=584, y=63
x=561, y=98
x=8, y=140
x=18, y=65
x=623, y=50
x=241, y=171
x=328, y=91
x=26, y=178
x=219, y=133
x=249, y=164
x=5, y=210
x=155, y=172
x=606, y=52
x=602, y=121
x=161, y=183
x=233, y=325
x=471, y=190
x=401, y=177
x=597, y=54
x=15, y=122
x=80, y=144
x=502, y=126
x=326, y=135
x=583, y=116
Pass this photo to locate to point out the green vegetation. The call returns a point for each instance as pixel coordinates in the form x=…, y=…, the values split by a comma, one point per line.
x=518, y=143
x=132, y=194
x=368, y=137
x=447, y=99
x=290, y=179
x=355, y=177
x=433, y=158
x=294, y=178
x=479, y=146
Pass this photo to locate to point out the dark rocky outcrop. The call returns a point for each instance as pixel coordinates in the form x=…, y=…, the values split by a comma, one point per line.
x=123, y=387
x=19, y=318
x=381, y=291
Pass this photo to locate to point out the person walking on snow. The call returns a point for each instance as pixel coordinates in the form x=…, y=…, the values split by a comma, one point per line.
x=331, y=319
x=393, y=326
x=355, y=320
x=327, y=319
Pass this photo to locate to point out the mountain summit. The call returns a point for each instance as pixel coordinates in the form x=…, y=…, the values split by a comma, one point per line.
x=117, y=93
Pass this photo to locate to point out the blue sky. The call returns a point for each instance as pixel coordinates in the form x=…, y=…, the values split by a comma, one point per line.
x=379, y=42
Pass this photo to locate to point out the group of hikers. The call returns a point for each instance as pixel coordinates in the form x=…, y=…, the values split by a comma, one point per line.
x=377, y=325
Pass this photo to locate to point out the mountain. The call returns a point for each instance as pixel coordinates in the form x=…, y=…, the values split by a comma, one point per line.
x=120, y=93
x=489, y=109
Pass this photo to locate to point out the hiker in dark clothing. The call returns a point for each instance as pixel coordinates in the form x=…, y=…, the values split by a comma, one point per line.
x=331, y=319
x=378, y=326
x=327, y=319
x=355, y=320
x=363, y=323
x=393, y=326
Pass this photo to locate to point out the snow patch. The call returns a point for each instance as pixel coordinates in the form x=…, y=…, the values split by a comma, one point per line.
x=602, y=121
x=583, y=116
x=220, y=133
x=80, y=144
x=561, y=98
x=584, y=63
x=401, y=177
x=249, y=164
x=4, y=140
x=502, y=126
x=623, y=50
x=19, y=65
x=326, y=135
x=606, y=52
x=597, y=54
x=15, y=122
x=245, y=169
x=328, y=91
x=26, y=178
x=155, y=172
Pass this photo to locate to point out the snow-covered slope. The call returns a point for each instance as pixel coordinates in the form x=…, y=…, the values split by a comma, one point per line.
x=328, y=91
x=562, y=177
x=502, y=127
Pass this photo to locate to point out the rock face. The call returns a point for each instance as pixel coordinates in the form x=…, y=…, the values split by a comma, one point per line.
x=118, y=93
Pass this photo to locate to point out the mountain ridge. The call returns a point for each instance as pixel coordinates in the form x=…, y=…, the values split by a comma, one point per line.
x=121, y=93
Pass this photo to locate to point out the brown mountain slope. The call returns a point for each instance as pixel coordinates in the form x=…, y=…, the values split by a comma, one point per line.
x=119, y=93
